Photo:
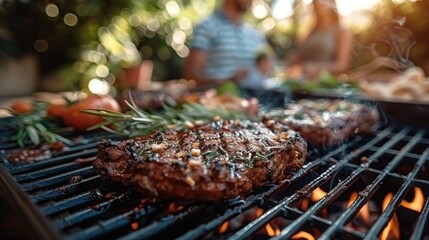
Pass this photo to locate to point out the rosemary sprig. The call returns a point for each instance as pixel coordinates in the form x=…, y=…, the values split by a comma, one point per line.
x=33, y=126
x=138, y=122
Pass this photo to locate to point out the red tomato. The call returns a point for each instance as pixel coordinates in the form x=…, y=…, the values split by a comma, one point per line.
x=80, y=121
x=22, y=106
x=56, y=110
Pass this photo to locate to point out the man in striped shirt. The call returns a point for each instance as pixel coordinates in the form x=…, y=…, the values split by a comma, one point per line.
x=223, y=46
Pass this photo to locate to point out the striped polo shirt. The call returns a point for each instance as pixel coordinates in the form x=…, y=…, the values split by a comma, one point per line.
x=229, y=46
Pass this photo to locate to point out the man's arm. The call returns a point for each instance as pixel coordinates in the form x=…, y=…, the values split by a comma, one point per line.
x=194, y=69
x=194, y=66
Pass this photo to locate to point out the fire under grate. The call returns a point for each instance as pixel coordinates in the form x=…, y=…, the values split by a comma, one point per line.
x=380, y=176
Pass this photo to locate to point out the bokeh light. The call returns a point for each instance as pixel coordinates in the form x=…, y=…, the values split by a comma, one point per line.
x=398, y=2
x=52, y=10
x=70, y=19
x=179, y=37
x=260, y=10
x=146, y=52
x=185, y=24
x=164, y=54
x=153, y=24
x=41, y=45
x=183, y=51
x=98, y=86
x=172, y=8
x=268, y=24
x=348, y=8
x=102, y=71
x=282, y=9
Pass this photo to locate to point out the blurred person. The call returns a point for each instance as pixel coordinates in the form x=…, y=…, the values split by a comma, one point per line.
x=223, y=47
x=261, y=71
x=328, y=46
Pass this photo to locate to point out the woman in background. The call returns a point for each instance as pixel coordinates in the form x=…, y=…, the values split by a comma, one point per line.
x=327, y=47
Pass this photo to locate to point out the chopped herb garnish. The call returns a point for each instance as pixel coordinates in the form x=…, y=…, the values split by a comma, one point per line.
x=143, y=152
x=299, y=116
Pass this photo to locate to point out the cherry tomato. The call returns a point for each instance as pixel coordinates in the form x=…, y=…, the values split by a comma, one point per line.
x=22, y=106
x=80, y=121
x=56, y=110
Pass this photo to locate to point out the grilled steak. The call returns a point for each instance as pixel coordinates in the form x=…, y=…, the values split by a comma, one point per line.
x=214, y=161
x=329, y=122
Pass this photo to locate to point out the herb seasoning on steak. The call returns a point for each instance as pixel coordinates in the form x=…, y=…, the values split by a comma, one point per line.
x=214, y=161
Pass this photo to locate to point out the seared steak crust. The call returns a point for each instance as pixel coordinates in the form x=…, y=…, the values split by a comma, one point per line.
x=214, y=161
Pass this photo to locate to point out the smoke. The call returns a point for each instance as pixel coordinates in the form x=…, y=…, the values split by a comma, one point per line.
x=399, y=40
x=389, y=45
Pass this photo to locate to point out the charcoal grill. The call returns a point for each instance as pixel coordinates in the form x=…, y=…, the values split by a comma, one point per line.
x=64, y=198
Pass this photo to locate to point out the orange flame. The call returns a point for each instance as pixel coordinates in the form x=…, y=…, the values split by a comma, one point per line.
x=417, y=202
x=392, y=229
x=134, y=226
x=317, y=194
x=259, y=212
x=304, y=204
x=271, y=231
x=364, y=211
x=352, y=198
x=224, y=227
x=304, y=235
x=173, y=207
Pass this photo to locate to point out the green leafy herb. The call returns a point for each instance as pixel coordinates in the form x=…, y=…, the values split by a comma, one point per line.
x=142, y=152
x=33, y=126
x=138, y=122
x=210, y=155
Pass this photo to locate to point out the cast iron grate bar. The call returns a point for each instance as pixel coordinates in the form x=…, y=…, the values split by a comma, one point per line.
x=258, y=223
x=85, y=198
x=61, y=206
x=23, y=168
x=96, y=211
x=64, y=191
x=55, y=170
x=58, y=179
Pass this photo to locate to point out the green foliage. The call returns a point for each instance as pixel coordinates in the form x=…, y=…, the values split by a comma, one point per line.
x=325, y=81
x=229, y=88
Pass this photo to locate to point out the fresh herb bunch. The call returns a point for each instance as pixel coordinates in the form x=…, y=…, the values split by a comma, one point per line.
x=138, y=122
x=34, y=125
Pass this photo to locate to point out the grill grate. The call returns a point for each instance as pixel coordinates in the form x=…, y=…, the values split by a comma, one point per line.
x=76, y=203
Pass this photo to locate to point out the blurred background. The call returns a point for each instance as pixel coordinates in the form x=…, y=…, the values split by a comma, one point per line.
x=96, y=45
